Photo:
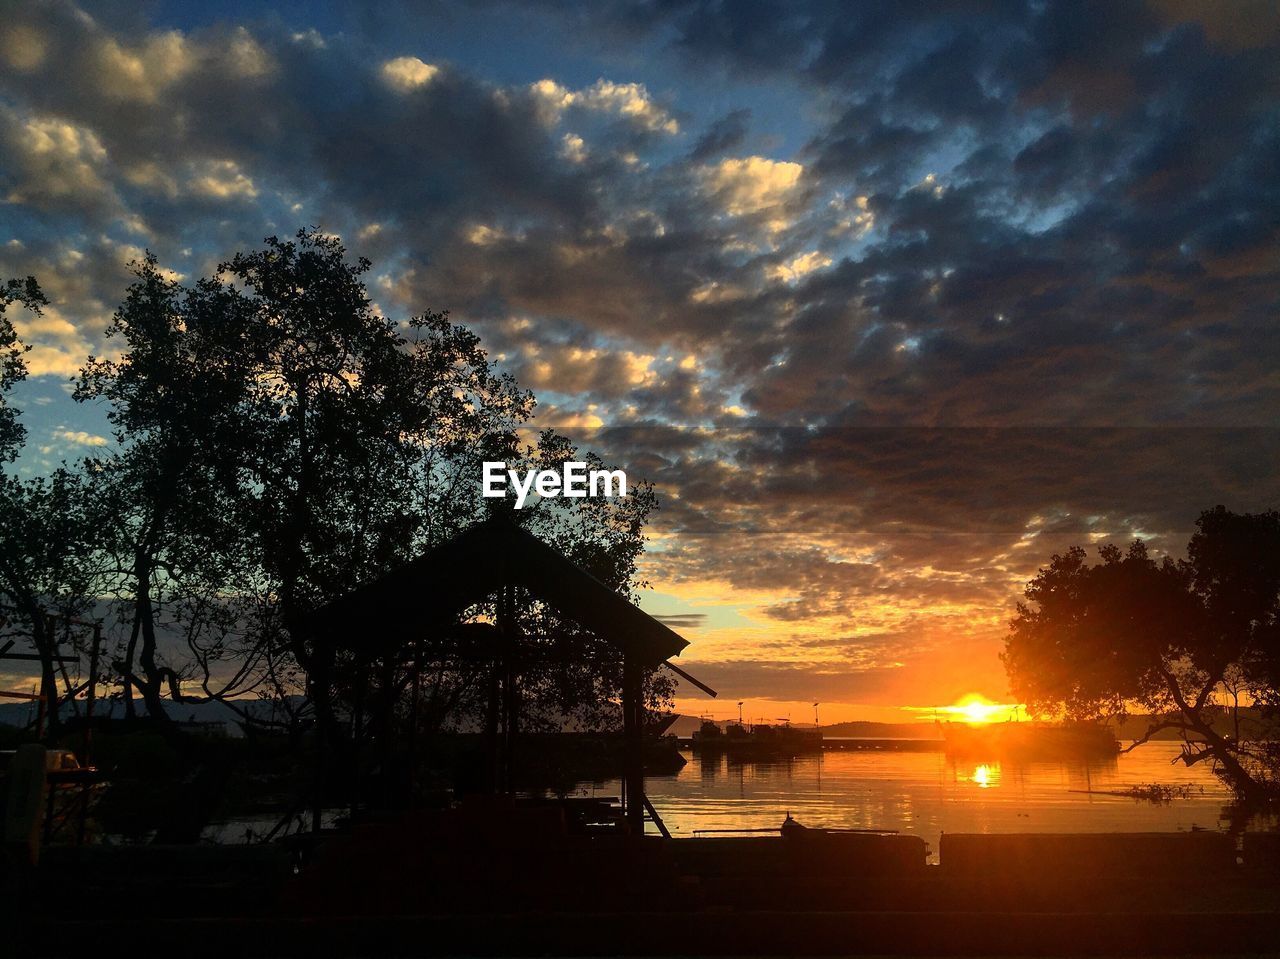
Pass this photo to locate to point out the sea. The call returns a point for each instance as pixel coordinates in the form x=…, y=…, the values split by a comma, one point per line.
x=918, y=793
x=929, y=793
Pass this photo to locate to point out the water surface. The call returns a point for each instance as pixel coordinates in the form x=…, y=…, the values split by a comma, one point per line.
x=927, y=794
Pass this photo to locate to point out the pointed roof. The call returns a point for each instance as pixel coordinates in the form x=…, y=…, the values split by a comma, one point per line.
x=434, y=589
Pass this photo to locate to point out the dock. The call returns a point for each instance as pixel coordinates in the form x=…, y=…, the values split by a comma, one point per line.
x=885, y=745
x=855, y=744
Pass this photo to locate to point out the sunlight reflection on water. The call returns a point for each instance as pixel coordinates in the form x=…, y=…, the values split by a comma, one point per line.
x=928, y=793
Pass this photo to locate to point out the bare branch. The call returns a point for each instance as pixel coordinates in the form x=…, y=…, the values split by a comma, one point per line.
x=1151, y=731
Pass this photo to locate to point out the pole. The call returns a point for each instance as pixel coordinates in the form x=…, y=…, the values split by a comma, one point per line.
x=323, y=729
x=357, y=725
x=87, y=743
x=510, y=697
x=48, y=680
x=413, y=718
x=633, y=732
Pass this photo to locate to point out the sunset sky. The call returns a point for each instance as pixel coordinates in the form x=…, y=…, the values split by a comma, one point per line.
x=889, y=300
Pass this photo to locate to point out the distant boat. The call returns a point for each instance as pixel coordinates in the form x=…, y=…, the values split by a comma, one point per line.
x=782, y=739
x=1030, y=740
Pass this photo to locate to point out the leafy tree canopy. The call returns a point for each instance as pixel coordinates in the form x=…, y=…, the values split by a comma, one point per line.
x=280, y=441
x=1094, y=641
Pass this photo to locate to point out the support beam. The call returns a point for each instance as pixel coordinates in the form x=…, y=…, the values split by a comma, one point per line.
x=657, y=820
x=633, y=750
x=689, y=679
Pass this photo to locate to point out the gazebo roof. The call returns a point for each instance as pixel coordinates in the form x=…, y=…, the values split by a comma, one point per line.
x=432, y=590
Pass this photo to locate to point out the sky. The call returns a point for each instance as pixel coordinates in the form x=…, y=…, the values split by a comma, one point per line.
x=890, y=301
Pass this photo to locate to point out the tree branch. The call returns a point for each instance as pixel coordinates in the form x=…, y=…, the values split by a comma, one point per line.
x=1151, y=731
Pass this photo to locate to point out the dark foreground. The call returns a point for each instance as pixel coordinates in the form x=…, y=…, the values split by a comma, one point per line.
x=440, y=885
x=659, y=934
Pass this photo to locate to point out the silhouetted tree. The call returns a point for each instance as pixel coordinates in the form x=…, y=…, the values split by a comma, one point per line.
x=13, y=368
x=1235, y=560
x=281, y=441
x=43, y=559
x=163, y=497
x=46, y=565
x=1096, y=640
x=355, y=435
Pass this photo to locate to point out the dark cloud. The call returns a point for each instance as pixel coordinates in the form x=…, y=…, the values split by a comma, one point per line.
x=906, y=541
x=922, y=284
x=727, y=133
x=682, y=621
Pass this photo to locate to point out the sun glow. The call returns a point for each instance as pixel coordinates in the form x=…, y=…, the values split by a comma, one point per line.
x=985, y=776
x=977, y=711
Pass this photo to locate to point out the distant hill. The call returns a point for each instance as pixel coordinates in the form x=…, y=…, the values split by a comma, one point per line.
x=685, y=726
x=1252, y=726
x=868, y=730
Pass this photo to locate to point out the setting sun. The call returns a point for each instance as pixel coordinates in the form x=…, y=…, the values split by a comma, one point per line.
x=977, y=710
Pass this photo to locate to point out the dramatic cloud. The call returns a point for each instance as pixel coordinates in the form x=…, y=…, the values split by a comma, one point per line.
x=890, y=300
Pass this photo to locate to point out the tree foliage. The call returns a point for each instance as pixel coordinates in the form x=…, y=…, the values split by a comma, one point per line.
x=13, y=367
x=1172, y=638
x=279, y=441
x=44, y=561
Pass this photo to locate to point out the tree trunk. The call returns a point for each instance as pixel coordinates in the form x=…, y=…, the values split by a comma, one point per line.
x=42, y=638
x=43, y=626
x=145, y=615
x=126, y=669
x=327, y=735
x=1250, y=791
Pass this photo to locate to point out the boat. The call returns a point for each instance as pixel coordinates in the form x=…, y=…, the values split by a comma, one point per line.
x=757, y=738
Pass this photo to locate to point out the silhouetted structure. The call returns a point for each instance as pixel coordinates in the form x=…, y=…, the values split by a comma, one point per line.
x=425, y=597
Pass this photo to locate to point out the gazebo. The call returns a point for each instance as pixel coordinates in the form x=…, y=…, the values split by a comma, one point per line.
x=427, y=595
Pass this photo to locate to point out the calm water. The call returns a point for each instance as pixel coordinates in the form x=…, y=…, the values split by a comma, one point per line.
x=928, y=793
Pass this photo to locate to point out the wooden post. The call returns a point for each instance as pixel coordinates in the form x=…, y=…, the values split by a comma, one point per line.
x=414, y=706
x=633, y=748
x=385, y=703
x=317, y=803
x=86, y=744
x=510, y=702
x=357, y=735
x=323, y=731
x=92, y=697
x=27, y=784
x=48, y=679
x=49, y=809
